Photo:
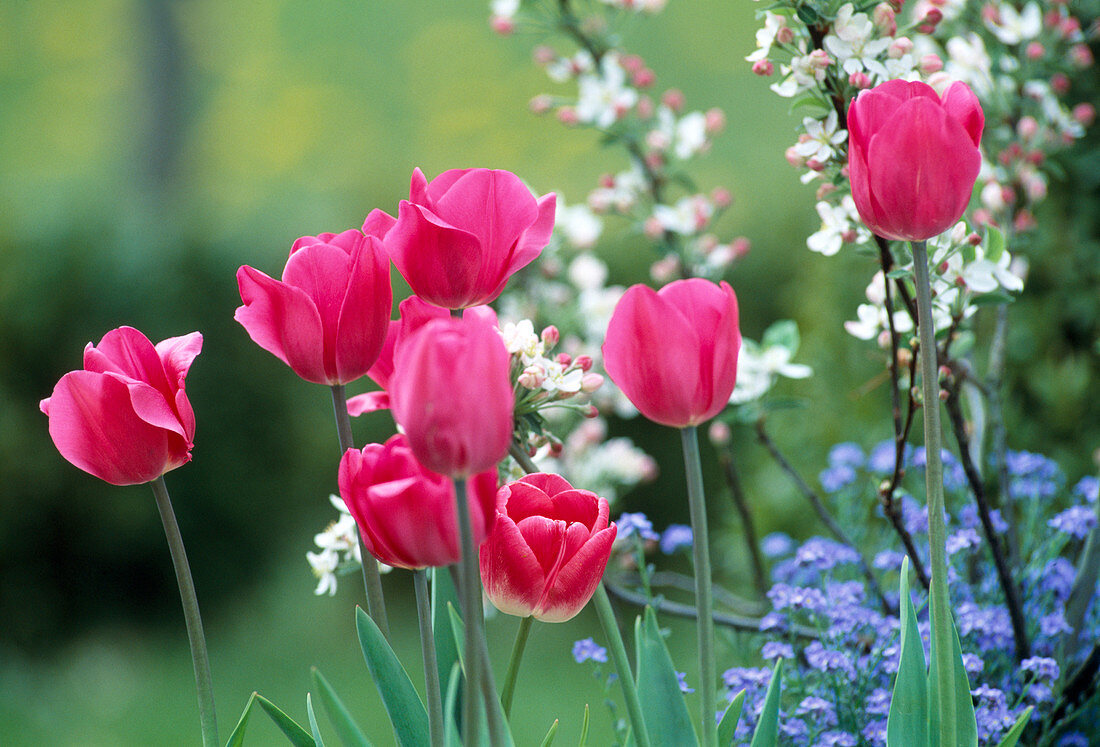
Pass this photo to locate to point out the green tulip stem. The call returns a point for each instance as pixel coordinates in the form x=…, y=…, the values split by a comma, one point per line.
x=372, y=579
x=470, y=594
x=427, y=648
x=622, y=665
x=689, y=438
x=204, y=684
x=943, y=653
x=510, y=678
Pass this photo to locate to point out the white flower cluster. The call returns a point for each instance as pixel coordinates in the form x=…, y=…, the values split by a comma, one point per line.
x=552, y=378
x=760, y=364
x=639, y=6
x=840, y=224
x=339, y=550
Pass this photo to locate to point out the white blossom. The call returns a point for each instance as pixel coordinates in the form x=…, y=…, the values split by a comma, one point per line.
x=824, y=137
x=1016, y=26
x=765, y=37
x=839, y=224
x=687, y=217
x=580, y=226
x=853, y=43
x=587, y=272
x=603, y=98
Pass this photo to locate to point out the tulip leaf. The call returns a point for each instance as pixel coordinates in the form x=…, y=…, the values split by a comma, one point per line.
x=767, y=728
x=965, y=719
x=728, y=725
x=994, y=298
x=450, y=703
x=584, y=729
x=549, y=738
x=1013, y=736
x=907, y=722
x=298, y=736
x=666, y=715
x=458, y=635
x=402, y=702
x=446, y=650
x=342, y=721
x=313, y=721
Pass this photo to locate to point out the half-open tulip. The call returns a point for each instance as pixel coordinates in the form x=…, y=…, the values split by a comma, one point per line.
x=548, y=549
x=328, y=316
x=458, y=239
x=673, y=352
x=913, y=157
x=125, y=418
x=452, y=394
x=406, y=513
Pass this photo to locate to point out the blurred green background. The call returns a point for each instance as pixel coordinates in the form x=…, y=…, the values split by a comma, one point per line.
x=148, y=149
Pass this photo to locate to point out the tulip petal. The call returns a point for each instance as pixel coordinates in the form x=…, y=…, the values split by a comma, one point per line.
x=511, y=574
x=577, y=507
x=282, y=320
x=537, y=236
x=927, y=196
x=177, y=354
x=440, y=262
x=365, y=311
x=418, y=186
x=322, y=272
x=421, y=528
x=94, y=426
x=493, y=205
x=961, y=103
x=577, y=579
x=378, y=223
x=651, y=352
x=548, y=482
x=361, y=404
x=546, y=539
x=128, y=352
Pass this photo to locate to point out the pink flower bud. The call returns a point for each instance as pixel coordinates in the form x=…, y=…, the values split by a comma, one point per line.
x=673, y=352
x=591, y=412
x=719, y=433
x=502, y=25
x=885, y=19
x=583, y=362
x=820, y=59
x=125, y=417
x=785, y=35
x=715, y=121
x=657, y=140
x=673, y=98
x=815, y=165
x=564, y=359
x=550, y=337
x=655, y=161
x=763, y=68
x=1008, y=195
x=991, y=14
x=591, y=382
x=541, y=104
x=631, y=63
x=643, y=78
x=930, y=63
x=973, y=238
x=533, y=377
x=544, y=55
x=794, y=158
x=644, y=107
x=859, y=79
x=940, y=81
x=567, y=115
x=664, y=269
x=883, y=340
x=1084, y=113
x=1059, y=83
x=1024, y=221
x=721, y=197
x=1035, y=51
x=1080, y=55
x=740, y=246
x=1027, y=127
x=825, y=190
x=900, y=47
x=1070, y=27
x=983, y=217
x=653, y=228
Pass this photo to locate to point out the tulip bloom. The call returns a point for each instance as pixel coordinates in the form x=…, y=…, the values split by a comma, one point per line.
x=328, y=316
x=548, y=549
x=125, y=418
x=459, y=238
x=913, y=157
x=452, y=394
x=406, y=513
x=673, y=352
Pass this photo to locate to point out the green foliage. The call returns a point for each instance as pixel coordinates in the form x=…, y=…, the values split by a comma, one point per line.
x=907, y=722
x=403, y=704
x=345, y=725
x=298, y=736
x=666, y=715
x=767, y=728
x=728, y=725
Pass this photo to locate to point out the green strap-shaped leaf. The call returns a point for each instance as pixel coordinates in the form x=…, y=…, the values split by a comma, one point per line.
x=458, y=634
x=446, y=651
x=550, y=734
x=313, y=722
x=1013, y=736
x=728, y=725
x=966, y=724
x=584, y=729
x=907, y=723
x=666, y=715
x=298, y=736
x=402, y=702
x=767, y=728
x=450, y=705
x=346, y=728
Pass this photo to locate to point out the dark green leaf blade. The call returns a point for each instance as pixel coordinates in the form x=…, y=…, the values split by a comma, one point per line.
x=402, y=702
x=345, y=725
x=907, y=722
x=767, y=729
x=666, y=715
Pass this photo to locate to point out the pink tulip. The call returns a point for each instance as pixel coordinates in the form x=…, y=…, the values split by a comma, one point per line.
x=414, y=315
x=125, y=418
x=406, y=514
x=548, y=549
x=673, y=352
x=913, y=157
x=328, y=316
x=458, y=239
x=452, y=393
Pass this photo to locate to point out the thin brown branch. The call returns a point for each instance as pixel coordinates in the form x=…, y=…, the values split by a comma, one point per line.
x=737, y=494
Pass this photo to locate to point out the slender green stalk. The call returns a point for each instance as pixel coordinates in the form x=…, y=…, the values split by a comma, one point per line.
x=513, y=664
x=943, y=664
x=470, y=594
x=1088, y=571
x=700, y=548
x=372, y=579
x=622, y=665
x=427, y=647
x=204, y=684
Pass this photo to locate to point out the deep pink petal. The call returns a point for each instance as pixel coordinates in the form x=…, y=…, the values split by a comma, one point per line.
x=282, y=320
x=378, y=223
x=651, y=352
x=511, y=574
x=725, y=338
x=547, y=482
x=537, y=236
x=94, y=426
x=177, y=354
x=961, y=103
x=577, y=579
x=524, y=500
x=365, y=313
x=440, y=263
x=418, y=189
x=369, y=402
x=130, y=353
x=322, y=272
x=546, y=539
